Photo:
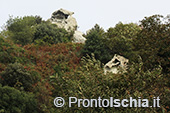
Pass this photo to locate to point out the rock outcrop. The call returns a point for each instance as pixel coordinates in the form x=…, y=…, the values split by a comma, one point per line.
x=78, y=37
x=64, y=19
x=117, y=65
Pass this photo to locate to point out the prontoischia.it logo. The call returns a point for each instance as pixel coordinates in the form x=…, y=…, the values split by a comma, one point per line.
x=111, y=102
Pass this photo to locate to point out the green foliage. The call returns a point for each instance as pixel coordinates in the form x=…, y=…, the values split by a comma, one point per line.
x=120, y=38
x=15, y=101
x=60, y=69
x=88, y=82
x=153, y=42
x=28, y=29
x=10, y=53
x=51, y=34
x=5, y=56
x=95, y=44
x=21, y=30
x=16, y=76
x=117, y=40
x=50, y=68
x=128, y=31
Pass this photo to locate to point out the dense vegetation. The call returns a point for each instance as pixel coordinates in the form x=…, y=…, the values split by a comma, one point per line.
x=31, y=29
x=38, y=63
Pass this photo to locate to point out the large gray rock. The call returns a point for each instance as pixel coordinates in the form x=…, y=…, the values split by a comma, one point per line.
x=63, y=19
x=116, y=65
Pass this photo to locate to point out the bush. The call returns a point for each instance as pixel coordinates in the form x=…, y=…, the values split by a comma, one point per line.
x=5, y=50
x=16, y=76
x=9, y=52
x=51, y=34
x=89, y=82
x=15, y=101
x=21, y=30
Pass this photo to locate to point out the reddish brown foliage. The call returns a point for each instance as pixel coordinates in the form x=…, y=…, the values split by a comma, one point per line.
x=46, y=57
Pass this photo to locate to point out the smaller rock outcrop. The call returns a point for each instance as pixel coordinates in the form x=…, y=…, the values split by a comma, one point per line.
x=78, y=37
x=117, y=65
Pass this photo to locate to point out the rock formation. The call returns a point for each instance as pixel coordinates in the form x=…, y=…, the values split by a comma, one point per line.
x=116, y=65
x=78, y=37
x=64, y=19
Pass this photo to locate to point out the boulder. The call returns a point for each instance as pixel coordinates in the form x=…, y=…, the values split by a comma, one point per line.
x=78, y=37
x=63, y=19
x=117, y=64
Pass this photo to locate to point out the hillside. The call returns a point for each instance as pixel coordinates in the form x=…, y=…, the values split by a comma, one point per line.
x=39, y=62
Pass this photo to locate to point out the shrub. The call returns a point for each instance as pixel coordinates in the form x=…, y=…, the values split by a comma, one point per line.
x=5, y=50
x=21, y=30
x=51, y=34
x=16, y=76
x=9, y=52
x=15, y=101
x=89, y=82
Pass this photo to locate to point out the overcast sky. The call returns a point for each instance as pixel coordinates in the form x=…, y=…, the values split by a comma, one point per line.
x=106, y=13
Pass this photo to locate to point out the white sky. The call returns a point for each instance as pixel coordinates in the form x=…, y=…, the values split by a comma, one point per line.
x=106, y=13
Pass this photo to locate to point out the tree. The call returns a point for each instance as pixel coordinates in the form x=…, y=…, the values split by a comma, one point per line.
x=95, y=44
x=15, y=101
x=16, y=76
x=21, y=30
x=119, y=39
x=153, y=42
x=128, y=31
